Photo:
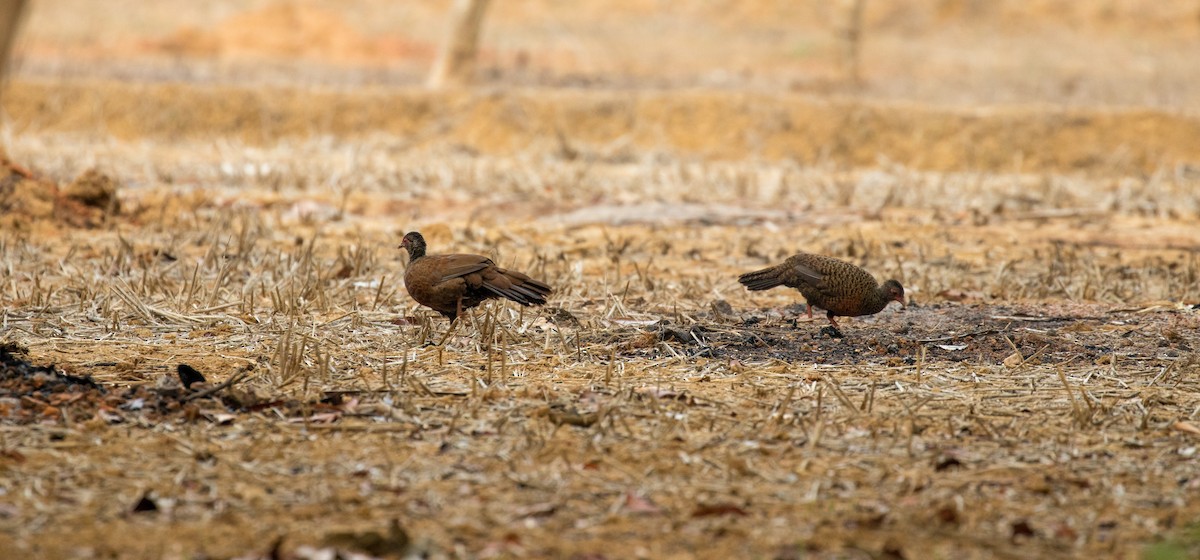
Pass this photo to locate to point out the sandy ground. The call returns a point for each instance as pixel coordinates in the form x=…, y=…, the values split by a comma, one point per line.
x=180, y=190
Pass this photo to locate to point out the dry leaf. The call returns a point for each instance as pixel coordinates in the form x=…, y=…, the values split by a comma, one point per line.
x=948, y=514
x=220, y=418
x=1022, y=528
x=661, y=394
x=711, y=510
x=536, y=510
x=145, y=505
x=1186, y=427
x=635, y=503
x=188, y=375
x=569, y=415
x=12, y=455
x=322, y=418
x=395, y=543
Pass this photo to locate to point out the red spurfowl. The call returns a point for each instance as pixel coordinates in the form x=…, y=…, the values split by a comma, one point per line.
x=838, y=287
x=451, y=283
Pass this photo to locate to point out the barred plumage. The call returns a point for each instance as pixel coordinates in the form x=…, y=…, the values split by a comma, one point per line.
x=838, y=287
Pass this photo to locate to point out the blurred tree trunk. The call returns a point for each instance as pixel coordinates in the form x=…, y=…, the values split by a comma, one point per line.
x=11, y=12
x=849, y=31
x=455, y=65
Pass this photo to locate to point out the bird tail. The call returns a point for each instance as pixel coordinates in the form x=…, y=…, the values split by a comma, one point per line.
x=519, y=288
x=764, y=279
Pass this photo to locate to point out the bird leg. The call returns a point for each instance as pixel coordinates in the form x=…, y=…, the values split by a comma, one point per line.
x=833, y=331
x=796, y=319
x=453, y=324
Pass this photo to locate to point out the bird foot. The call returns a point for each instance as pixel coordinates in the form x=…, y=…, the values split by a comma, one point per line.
x=832, y=331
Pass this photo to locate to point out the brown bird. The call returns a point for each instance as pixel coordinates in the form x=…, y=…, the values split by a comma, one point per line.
x=836, y=286
x=451, y=283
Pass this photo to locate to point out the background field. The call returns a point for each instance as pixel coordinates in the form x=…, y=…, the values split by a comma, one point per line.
x=1029, y=170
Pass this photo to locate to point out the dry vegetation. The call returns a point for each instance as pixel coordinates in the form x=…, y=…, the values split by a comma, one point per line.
x=1037, y=399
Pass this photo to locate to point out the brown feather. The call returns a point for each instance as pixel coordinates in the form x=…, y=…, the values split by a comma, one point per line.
x=450, y=284
x=838, y=287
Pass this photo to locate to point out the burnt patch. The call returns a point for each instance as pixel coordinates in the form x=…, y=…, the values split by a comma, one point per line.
x=1014, y=335
x=43, y=394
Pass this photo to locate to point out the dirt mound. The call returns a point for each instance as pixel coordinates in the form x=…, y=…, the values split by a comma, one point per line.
x=287, y=30
x=26, y=198
x=23, y=198
x=94, y=189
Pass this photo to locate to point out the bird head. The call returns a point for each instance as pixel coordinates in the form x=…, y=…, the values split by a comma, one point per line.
x=414, y=243
x=895, y=292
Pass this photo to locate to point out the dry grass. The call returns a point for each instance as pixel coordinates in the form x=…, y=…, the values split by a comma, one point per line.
x=1037, y=399
x=583, y=428
x=619, y=126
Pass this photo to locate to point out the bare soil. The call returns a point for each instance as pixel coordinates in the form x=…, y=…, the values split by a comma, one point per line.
x=179, y=191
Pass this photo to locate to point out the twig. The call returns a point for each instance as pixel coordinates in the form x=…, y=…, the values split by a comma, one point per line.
x=841, y=396
x=237, y=377
x=1078, y=412
x=963, y=335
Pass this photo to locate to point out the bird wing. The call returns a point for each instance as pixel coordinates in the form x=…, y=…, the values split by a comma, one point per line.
x=514, y=285
x=457, y=266
x=809, y=275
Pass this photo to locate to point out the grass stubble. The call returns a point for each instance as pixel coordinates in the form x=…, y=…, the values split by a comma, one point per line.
x=630, y=416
